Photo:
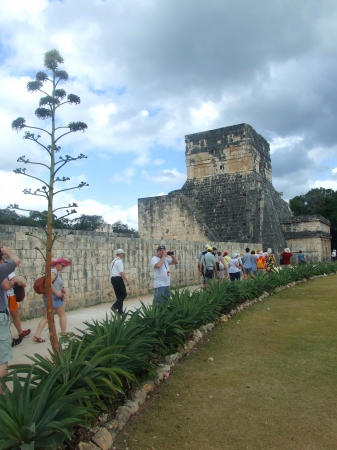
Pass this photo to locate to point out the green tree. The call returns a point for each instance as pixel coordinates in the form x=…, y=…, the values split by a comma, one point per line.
x=9, y=217
x=318, y=201
x=120, y=227
x=47, y=110
x=87, y=222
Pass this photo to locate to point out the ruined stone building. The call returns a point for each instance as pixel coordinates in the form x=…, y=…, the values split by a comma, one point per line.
x=228, y=195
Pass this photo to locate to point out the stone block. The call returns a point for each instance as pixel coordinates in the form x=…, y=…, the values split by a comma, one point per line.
x=103, y=439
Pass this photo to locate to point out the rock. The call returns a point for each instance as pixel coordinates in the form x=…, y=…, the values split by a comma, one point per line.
x=133, y=406
x=139, y=396
x=103, y=439
x=197, y=335
x=123, y=410
x=223, y=319
x=210, y=359
x=148, y=387
x=210, y=326
x=189, y=345
x=162, y=372
x=122, y=419
x=103, y=418
x=86, y=446
x=112, y=425
x=203, y=329
x=171, y=359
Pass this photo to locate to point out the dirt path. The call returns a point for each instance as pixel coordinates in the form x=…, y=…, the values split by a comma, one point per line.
x=272, y=383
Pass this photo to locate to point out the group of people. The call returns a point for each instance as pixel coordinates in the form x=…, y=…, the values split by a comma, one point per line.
x=215, y=264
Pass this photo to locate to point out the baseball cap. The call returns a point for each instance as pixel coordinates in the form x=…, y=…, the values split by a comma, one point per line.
x=209, y=248
x=161, y=247
x=119, y=251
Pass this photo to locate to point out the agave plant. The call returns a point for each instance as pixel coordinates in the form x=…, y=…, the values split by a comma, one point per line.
x=127, y=335
x=168, y=331
x=41, y=417
x=90, y=367
x=193, y=309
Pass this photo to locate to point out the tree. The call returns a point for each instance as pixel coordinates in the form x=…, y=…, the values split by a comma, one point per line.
x=120, y=227
x=318, y=201
x=48, y=106
x=89, y=223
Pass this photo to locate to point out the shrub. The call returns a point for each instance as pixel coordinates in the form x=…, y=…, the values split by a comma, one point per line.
x=40, y=417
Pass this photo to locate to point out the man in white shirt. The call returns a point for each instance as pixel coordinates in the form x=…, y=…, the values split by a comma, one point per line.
x=118, y=278
x=161, y=271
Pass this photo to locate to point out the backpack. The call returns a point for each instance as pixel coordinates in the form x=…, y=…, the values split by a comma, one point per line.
x=40, y=285
x=19, y=292
x=260, y=262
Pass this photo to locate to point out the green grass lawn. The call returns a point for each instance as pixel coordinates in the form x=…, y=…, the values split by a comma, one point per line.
x=272, y=384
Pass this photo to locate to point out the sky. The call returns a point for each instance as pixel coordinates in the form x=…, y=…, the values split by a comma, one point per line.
x=150, y=72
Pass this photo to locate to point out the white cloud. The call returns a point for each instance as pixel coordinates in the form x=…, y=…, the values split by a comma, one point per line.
x=126, y=176
x=204, y=115
x=158, y=162
x=166, y=177
x=284, y=142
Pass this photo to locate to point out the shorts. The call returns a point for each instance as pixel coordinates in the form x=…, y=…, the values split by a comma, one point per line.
x=57, y=302
x=248, y=271
x=6, y=353
x=160, y=293
x=12, y=303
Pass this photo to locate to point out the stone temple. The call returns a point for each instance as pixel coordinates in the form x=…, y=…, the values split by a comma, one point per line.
x=228, y=195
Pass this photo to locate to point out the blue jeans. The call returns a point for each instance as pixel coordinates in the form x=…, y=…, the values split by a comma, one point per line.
x=160, y=293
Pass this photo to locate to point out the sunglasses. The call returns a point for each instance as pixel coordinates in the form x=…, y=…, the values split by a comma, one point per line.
x=63, y=265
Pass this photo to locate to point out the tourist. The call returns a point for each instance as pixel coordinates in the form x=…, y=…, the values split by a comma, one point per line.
x=254, y=258
x=221, y=273
x=209, y=264
x=334, y=255
x=161, y=272
x=270, y=261
x=301, y=258
x=5, y=335
x=203, y=253
x=261, y=263
x=13, y=306
x=234, y=267
x=226, y=258
x=247, y=262
x=286, y=256
x=58, y=298
x=118, y=281
x=242, y=269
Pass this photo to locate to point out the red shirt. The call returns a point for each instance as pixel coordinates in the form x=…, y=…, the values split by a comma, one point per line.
x=286, y=258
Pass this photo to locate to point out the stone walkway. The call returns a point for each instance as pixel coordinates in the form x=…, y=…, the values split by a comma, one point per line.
x=75, y=319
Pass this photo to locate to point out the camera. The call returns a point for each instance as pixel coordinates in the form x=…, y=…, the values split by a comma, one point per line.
x=170, y=253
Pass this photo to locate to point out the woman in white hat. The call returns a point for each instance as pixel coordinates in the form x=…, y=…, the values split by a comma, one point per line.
x=234, y=268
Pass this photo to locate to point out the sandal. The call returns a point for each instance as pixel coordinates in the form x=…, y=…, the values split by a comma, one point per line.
x=24, y=334
x=65, y=335
x=16, y=341
x=38, y=340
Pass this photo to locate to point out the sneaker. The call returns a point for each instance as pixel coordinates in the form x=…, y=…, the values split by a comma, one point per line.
x=113, y=309
x=16, y=341
x=24, y=333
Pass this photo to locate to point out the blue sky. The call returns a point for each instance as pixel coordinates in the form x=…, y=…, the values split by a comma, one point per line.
x=150, y=72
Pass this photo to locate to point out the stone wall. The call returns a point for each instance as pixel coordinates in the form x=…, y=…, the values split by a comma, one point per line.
x=87, y=280
x=228, y=195
x=311, y=234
